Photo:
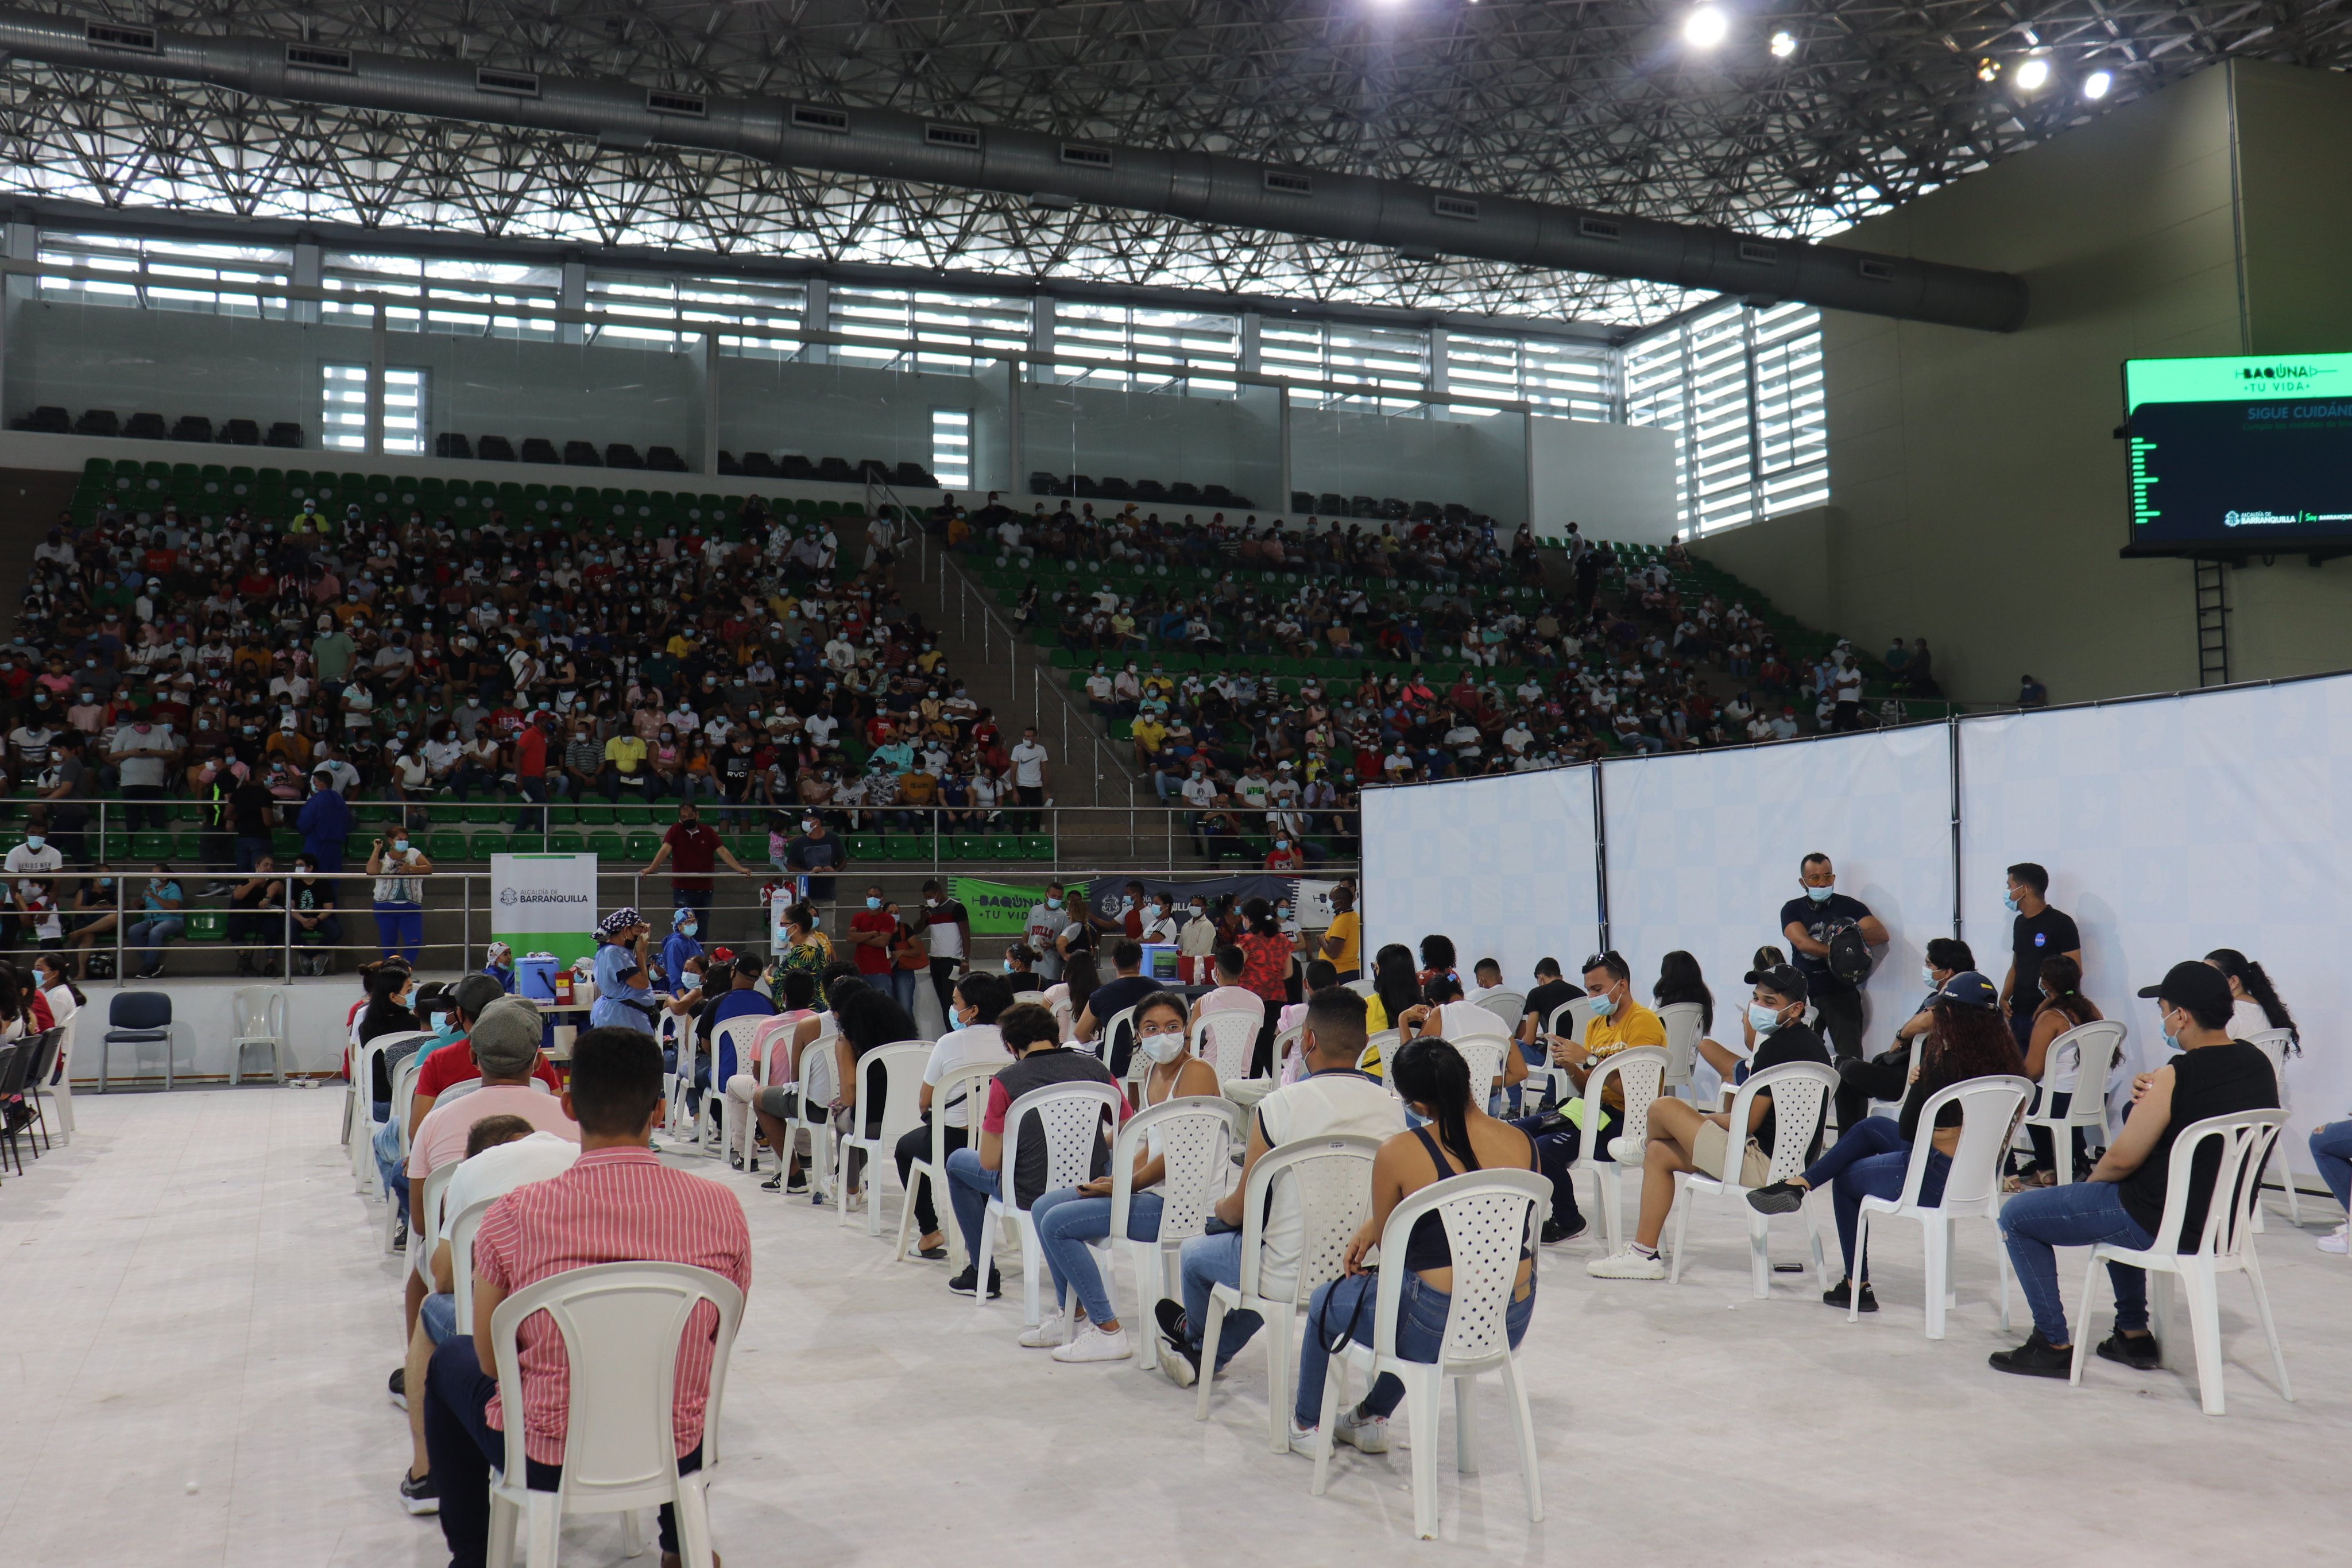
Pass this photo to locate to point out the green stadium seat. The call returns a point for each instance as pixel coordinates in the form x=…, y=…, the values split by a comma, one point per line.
x=862, y=846
x=149, y=847
x=206, y=926
x=1004, y=847
x=190, y=845
x=968, y=847
x=907, y=847
x=561, y=842
x=489, y=845
x=607, y=845
x=116, y=850
x=285, y=844
x=443, y=845
x=751, y=848
x=1037, y=846
x=185, y=810
x=485, y=813
x=644, y=843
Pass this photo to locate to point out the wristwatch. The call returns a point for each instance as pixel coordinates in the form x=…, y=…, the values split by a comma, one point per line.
x=1591, y=1061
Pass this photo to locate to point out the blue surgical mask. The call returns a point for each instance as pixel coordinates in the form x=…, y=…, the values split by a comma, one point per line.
x=1766, y=1020
x=1600, y=1006
x=1053, y=904
x=34, y=840
x=1927, y=976
x=400, y=844
x=689, y=928
x=105, y=881
x=2008, y=902
x=873, y=904
x=1820, y=894
x=2171, y=1040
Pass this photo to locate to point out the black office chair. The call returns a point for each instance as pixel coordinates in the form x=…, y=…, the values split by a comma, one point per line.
x=137, y=1019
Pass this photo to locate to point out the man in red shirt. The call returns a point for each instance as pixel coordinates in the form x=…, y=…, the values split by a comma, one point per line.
x=527, y=758
x=617, y=1203
x=870, y=932
x=693, y=849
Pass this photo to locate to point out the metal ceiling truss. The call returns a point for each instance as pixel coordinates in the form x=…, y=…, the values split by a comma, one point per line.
x=1599, y=105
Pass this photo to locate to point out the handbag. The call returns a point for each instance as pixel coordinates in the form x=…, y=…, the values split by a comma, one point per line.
x=1347, y=1335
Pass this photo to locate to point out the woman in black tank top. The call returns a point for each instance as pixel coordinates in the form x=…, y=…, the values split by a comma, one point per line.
x=1458, y=1136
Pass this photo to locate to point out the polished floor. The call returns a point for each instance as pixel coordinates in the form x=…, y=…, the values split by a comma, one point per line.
x=202, y=1320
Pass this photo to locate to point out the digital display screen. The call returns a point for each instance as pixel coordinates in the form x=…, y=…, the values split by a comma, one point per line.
x=2251, y=453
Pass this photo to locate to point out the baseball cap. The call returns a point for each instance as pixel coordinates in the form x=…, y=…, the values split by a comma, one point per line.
x=1969, y=990
x=1780, y=979
x=506, y=1036
x=2194, y=985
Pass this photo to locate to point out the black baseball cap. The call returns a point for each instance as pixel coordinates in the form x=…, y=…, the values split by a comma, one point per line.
x=1780, y=979
x=2192, y=984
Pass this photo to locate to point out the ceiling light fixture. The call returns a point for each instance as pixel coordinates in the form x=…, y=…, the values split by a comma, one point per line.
x=2033, y=74
x=2096, y=84
x=1783, y=45
x=1706, y=28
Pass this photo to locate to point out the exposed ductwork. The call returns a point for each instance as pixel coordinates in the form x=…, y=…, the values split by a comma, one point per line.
x=1198, y=186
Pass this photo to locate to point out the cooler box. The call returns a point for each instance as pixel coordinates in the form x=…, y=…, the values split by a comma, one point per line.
x=1159, y=961
x=535, y=978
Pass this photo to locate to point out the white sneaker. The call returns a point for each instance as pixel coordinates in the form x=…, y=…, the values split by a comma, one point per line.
x=2336, y=1241
x=1092, y=1345
x=1628, y=1151
x=1366, y=1435
x=1302, y=1439
x=1628, y=1265
x=1053, y=1331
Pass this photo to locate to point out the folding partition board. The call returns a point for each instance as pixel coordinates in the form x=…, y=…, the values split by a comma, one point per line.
x=1502, y=864
x=1703, y=851
x=2172, y=827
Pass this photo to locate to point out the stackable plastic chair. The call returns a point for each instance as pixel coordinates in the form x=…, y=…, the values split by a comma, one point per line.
x=363, y=1089
x=1508, y=1007
x=462, y=1226
x=1333, y=1178
x=1894, y=1108
x=1106, y=1044
x=969, y=1084
x=2098, y=1045
x=2244, y=1138
x=1383, y=1045
x=621, y=1324
x=1989, y=1109
x=899, y=1067
x=1284, y=1043
x=257, y=1017
x=2274, y=1043
x=1070, y=1117
x=812, y=1114
x=1197, y=1136
x=1488, y=1217
x=1799, y=1091
x=1226, y=1040
x=768, y=1035
x=1685, y=1025
x=1482, y=1053
x=735, y=1034
x=1639, y=1071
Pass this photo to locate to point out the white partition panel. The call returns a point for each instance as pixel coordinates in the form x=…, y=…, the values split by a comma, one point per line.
x=1503, y=865
x=2172, y=827
x=1703, y=851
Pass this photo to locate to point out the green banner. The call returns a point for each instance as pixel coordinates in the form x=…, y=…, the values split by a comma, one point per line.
x=1002, y=908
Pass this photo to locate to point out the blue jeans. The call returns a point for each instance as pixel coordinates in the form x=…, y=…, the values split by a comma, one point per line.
x=250, y=849
x=970, y=1187
x=1066, y=1222
x=399, y=928
x=1871, y=1161
x=151, y=934
x=1420, y=1333
x=2079, y=1214
x=385, y=1146
x=2331, y=1151
x=1206, y=1261
x=438, y=1313
x=902, y=987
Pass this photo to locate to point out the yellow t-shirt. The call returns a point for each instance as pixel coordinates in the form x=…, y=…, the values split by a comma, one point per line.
x=1637, y=1025
x=1348, y=930
x=627, y=753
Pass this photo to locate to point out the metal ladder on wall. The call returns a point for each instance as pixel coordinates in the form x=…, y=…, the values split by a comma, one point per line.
x=2212, y=585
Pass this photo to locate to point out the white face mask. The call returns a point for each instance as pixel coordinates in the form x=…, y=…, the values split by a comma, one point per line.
x=1766, y=1020
x=1163, y=1048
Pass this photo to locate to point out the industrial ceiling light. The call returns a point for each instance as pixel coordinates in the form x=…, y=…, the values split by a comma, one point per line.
x=1706, y=28
x=1783, y=45
x=2033, y=74
x=2096, y=84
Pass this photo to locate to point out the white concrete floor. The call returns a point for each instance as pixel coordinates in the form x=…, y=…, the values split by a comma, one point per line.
x=203, y=1321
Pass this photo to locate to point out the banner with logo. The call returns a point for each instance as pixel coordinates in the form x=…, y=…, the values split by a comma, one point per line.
x=544, y=903
x=1002, y=908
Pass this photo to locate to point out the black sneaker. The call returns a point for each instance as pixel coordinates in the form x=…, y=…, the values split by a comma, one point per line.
x=962, y=1283
x=1777, y=1198
x=1837, y=1295
x=398, y=1386
x=2037, y=1357
x=400, y=1240
x=1552, y=1234
x=2138, y=1352
x=773, y=1184
x=1170, y=1313
x=417, y=1496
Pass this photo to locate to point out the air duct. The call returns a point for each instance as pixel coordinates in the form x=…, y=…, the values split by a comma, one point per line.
x=1198, y=186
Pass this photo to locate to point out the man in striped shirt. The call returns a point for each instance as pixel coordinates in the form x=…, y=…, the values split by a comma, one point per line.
x=617, y=1203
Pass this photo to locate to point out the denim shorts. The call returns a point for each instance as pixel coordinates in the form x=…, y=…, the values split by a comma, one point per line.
x=439, y=1315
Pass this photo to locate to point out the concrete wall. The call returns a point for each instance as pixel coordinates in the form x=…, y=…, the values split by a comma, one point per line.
x=1979, y=493
x=1614, y=481
x=1480, y=463
x=1233, y=441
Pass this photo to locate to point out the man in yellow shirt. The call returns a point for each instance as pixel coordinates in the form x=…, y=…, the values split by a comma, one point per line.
x=625, y=765
x=1614, y=1022
x=1343, y=939
x=1149, y=734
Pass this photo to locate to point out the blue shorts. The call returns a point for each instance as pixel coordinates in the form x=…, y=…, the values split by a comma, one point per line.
x=439, y=1315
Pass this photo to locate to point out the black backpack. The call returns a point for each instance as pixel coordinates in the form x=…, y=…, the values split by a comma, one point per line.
x=1850, y=956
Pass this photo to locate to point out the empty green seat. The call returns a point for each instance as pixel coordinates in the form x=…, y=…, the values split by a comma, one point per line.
x=150, y=847
x=206, y=926
x=483, y=813
x=488, y=844
x=644, y=843
x=443, y=845
x=563, y=842
x=607, y=845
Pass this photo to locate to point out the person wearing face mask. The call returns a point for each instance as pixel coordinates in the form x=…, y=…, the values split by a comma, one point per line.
x=948, y=925
x=1682, y=1138
x=678, y=948
x=1197, y=941
x=694, y=850
x=95, y=905
x=399, y=868
x=974, y=1006
x=1041, y=932
x=1812, y=921
x=163, y=900
x=2037, y=932
x=142, y=753
x=35, y=861
x=872, y=931
x=1886, y=1075
x=2123, y=1201
x=1068, y=1218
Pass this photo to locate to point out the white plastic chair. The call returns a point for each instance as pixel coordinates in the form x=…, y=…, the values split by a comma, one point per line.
x=1685, y=1024
x=1106, y=1043
x=1482, y=1054
x=363, y=1125
x=1332, y=1178
x=1988, y=1110
x=1577, y=1016
x=2097, y=1044
x=622, y=1325
x=1361, y=986
x=404, y=1090
x=1894, y=1107
x=1226, y=1040
x=1638, y=1072
x=670, y=1032
x=61, y=1092
x=462, y=1226
x=1070, y=1117
x=1197, y=1136
x=1284, y=1043
x=425, y=1223
x=735, y=1034
x=812, y=1114
x=2245, y=1137
x=967, y=1083
x=901, y=1064
x=2274, y=1043
x=1383, y=1045
x=257, y=1017
x=1799, y=1091
x=1509, y=1007
x=1488, y=1217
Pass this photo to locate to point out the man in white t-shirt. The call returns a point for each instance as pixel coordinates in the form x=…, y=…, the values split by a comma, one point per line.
x=972, y=1038
x=1332, y=1099
x=1043, y=923
x=1029, y=760
x=32, y=861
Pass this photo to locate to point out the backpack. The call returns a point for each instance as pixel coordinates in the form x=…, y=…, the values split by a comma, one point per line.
x=1850, y=956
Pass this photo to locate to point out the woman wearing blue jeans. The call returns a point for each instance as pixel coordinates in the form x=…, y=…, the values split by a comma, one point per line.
x=1455, y=1136
x=399, y=871
x=1067, y=1219
x=1967, y=1040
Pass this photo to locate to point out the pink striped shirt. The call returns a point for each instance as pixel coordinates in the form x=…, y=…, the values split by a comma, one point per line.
x=614, y=1205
